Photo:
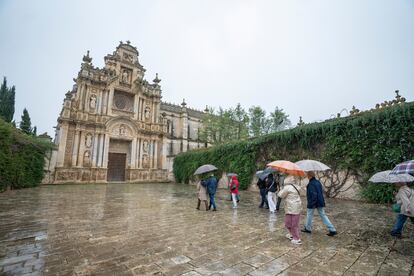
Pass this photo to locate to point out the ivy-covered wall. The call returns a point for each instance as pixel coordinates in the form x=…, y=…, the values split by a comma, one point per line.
x=361, y=145
x=22, y=158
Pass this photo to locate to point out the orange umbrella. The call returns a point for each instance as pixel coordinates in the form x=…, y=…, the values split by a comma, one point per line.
x=287, y=167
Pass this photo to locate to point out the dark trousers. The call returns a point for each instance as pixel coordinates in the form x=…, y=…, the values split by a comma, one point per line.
x=263, y=194
x=279, y=199
x=399, y=224
x=212, y=202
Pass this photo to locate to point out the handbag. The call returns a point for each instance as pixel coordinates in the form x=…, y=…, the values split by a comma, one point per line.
x=396, y=208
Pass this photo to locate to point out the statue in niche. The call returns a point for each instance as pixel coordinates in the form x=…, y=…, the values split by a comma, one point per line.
x=92, y=102
x=145, y=161
x=125, y=76
x=122, y=130
x=147, y=112
x=87, y=158
x=145, y=146
x=88, y=140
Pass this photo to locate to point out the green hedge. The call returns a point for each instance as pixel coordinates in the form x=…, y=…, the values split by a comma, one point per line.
x=22, y=158
x=365, y=143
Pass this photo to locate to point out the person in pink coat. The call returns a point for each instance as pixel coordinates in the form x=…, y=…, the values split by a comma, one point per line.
x=234, y=189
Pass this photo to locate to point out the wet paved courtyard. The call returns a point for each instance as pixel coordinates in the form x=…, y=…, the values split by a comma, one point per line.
x=154, y=229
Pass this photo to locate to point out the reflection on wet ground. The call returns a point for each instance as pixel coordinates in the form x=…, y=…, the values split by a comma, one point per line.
x=138, y=229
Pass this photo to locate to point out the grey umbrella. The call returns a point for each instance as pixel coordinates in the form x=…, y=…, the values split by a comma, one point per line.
x=204, y=169
x=265, y=173
x=231, y=174
x=386, y=177
x=312, y=165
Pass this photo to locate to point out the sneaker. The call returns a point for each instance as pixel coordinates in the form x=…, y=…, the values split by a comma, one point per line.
x=289, y=236
x=304, y=230
x=296, y=242
x=331, y=233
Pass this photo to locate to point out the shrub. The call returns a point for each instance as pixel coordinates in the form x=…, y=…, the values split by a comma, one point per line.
x=21, y=158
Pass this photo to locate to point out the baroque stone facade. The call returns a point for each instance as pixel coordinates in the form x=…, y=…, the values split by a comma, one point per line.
x=114, y=127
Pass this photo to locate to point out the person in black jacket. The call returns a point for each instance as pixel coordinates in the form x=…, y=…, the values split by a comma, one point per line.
x=261, y=183
x=314, y=195
x=271, y=187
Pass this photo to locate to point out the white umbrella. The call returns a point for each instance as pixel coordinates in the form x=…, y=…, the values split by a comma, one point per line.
x=312, y=165
x=381, y=177
x=204, y=169
x=401, y=178
x=386, y=177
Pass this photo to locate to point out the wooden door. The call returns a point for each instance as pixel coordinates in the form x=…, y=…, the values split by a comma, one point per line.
x=116, y=166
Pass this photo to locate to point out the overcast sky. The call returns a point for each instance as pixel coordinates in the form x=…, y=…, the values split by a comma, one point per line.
x=312, y=58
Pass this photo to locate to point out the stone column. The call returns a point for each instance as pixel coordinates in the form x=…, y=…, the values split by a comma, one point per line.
x=140, y=152
x=138, y=147
x=155, y=154
x=133, y=153
x=105, y=152
x=63, y=133
x=136, y=108
x=101, y=149
x=99, y=105
x=81, y=148
x=95, y=150
x=75, y=148
x=87, y=99
x=110, y=99
x=164, y=152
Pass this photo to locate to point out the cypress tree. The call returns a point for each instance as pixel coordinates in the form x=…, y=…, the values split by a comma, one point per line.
x=7, y=99
x=25, y=124
x=34, y=132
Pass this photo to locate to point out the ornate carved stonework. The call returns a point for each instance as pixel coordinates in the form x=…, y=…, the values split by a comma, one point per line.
x=123, y=101
x=147, y=112
x=92, y=102
x=115, y=111
x=87, y=159
x=88, y=140
x=145, y=146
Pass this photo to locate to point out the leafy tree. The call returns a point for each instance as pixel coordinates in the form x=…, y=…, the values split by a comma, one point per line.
x=259, y=125
x=7, y=99
x=25, y=124
x=241, y=119
x=278, y=120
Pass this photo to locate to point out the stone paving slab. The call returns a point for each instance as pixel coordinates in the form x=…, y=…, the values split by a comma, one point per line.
x=154, y=229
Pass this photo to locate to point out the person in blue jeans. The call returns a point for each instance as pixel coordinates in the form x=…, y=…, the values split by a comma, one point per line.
x=211, y=184
x=314, y=195
x=405, y=197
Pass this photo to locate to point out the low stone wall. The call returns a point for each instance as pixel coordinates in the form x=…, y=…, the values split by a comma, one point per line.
x=99, y=175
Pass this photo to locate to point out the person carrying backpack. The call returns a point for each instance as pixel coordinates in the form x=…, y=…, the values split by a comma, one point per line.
x=293, y=205
x=404, y=197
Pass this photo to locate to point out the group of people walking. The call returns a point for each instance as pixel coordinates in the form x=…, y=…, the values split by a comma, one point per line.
x=273, y=190
x=290, y=194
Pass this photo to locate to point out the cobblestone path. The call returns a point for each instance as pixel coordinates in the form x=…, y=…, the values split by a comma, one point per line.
x=122, y=229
